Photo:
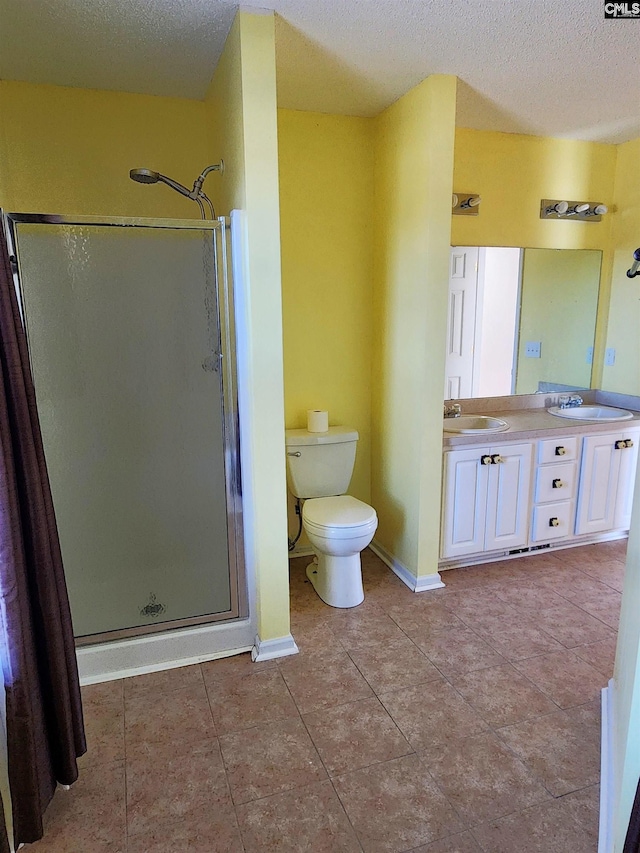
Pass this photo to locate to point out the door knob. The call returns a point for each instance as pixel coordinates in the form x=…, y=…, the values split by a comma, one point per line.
x=628, y=442
x=496, y=459
x=485, y=460
x=620, y=445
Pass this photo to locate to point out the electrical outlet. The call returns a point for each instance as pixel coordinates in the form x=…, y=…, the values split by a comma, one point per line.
x=533, y=349
x=589, y=355
x=610, y=357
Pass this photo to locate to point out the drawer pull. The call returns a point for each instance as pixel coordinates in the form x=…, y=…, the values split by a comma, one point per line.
x=485, y=460
x=620, y=445
x=554, y=522
x=496, y=459
x=561, y=451
x=628, y=442
x=557, y=484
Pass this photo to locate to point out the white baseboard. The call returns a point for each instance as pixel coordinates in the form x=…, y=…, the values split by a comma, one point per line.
x=155, y=652
x=280, y=647
x=415, y=584
x=605, y=835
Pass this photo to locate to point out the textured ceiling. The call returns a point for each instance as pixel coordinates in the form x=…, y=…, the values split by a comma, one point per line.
x=545, y=67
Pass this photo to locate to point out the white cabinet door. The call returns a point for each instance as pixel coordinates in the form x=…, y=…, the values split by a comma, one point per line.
x=606, y=482
x=507, y=523
x=626, y=480
x=464, y=501
x=486, y=499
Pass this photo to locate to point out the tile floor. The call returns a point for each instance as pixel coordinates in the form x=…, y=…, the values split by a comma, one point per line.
x=458, y=721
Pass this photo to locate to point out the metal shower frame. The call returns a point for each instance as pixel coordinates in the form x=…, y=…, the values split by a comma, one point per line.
x=221, y=236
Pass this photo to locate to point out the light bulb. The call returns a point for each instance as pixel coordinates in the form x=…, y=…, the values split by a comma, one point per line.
x=600, y=209
x=561, y=208
x=474, y=201
x=454, y=200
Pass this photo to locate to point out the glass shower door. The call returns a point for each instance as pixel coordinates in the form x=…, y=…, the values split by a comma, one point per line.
x=126, y=329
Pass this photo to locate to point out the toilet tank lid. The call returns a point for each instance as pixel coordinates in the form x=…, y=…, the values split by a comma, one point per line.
x=334, y=435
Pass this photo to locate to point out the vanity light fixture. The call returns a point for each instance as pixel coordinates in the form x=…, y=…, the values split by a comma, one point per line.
x=583, y=211
x=465, y=204
x=553, y=208
x=579, y=208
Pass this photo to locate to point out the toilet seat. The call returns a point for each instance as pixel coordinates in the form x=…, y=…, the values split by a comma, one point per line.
x=339, y=516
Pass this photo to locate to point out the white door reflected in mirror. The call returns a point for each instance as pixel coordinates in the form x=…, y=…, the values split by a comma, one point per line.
x=501, y=299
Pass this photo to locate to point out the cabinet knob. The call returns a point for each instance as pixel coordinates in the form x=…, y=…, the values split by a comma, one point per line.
x=294, y=453
x=628, y=442
x=496, y=459
x=554, y=522
x=557, y=484
x=560, y=451
x=620, y=444
x=485, y=460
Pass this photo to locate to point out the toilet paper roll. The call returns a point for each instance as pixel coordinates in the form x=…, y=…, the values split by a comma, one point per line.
x=317, y=421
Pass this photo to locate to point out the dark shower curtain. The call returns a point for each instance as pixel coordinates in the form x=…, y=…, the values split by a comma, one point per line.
x=632, y=841
x=44, y=714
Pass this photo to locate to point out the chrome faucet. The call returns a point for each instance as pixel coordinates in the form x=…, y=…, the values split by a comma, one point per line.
x=569, y=401
x=452, y=411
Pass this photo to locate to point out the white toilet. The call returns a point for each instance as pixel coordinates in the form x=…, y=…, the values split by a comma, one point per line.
x=319, y=469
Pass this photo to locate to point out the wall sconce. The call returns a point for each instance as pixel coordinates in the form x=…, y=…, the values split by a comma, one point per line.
x=465, y=204
x=583, y=211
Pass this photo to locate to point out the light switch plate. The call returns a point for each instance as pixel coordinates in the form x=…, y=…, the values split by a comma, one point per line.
x=610, y=357
x=533, y=349
x=589, y=355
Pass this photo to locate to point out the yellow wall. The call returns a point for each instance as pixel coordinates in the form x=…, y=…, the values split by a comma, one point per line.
x=241, y=115
x=623, y=333
x=326, y=206
x=224, y=118
x=512, y=173
x=413, y=171
x=69, y=151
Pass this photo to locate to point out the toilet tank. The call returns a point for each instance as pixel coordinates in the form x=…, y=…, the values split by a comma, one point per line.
x=320, y=464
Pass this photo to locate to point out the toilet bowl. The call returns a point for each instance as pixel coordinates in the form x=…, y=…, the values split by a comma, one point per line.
x=338, y=528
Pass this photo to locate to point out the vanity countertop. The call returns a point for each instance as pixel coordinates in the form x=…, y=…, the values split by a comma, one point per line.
x=532, y=423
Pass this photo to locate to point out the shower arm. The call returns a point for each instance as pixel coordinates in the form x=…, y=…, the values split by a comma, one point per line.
x=199, y=181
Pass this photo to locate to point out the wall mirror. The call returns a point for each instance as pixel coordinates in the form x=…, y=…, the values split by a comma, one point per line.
x=520, y=321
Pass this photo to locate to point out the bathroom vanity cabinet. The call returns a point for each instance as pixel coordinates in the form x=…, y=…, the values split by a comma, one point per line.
x=606, y=481
x=486, y=499
x=512, y=497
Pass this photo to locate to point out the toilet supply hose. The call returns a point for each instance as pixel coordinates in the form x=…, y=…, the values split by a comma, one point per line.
x=292, y=542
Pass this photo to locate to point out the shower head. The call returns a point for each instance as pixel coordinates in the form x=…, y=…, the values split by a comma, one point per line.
x=148, y=176
x=144, y=176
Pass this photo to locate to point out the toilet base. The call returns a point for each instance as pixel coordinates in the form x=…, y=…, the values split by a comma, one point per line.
x=337, y=580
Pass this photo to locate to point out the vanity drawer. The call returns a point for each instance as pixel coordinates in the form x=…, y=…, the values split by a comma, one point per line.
x=557, y=449
x=556, y=482
x=552, y=521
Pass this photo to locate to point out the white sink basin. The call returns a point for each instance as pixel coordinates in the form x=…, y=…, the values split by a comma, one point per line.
x=591, y=413
x=474, y=423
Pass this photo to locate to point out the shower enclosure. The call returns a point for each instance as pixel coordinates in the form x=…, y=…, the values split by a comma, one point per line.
x=131, y=340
